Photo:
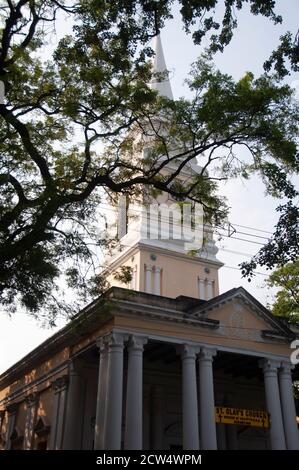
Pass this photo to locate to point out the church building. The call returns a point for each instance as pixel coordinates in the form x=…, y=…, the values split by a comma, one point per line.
x=164, y=362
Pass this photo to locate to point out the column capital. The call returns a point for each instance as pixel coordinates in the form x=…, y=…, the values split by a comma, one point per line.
x=187, y=351
x=116, y=339
x=206, y=353
x=286, y=367
x=102, y=344
x=111, y=339
x=60, y=384
x=149, y=267
x=32, y=400
x=136, y=342
x=269, y=365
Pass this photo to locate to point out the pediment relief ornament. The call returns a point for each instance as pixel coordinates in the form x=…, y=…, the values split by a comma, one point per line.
x=237, y=328
x=238, y=307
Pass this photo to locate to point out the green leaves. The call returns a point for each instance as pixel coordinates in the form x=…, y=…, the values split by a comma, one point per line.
x=283, y=246
x=286, y=279
x=79, y=115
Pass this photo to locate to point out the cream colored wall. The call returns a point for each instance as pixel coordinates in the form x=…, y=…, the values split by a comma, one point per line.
x=179, y=275
x=43, y=389
x=202, y=335
x=45, y=367
x=132, y=261
x=45, y=406
x=237, y=315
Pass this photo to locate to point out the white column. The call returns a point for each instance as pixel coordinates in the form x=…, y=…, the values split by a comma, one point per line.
x=74, y=408
x=207, y=404
x=210, y=293
x=59, y=405
x=190, y=406
x=288, y=406
x=31, y=404
x=273, y=403
x=202, y=289
x=133, y=429
x=157, y=281
x=148, y=279
x=99, y=443
x=114, y=397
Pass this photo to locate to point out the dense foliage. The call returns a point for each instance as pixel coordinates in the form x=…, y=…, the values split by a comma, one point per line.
x=77, y=116
x=286, y=279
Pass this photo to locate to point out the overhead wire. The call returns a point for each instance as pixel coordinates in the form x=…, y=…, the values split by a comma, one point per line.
x=216, y=228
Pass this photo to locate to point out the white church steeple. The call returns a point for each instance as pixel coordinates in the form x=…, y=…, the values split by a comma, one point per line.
x=154, y=237
x=161, y=84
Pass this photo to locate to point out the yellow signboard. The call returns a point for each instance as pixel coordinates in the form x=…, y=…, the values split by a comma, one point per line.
x=258, y=419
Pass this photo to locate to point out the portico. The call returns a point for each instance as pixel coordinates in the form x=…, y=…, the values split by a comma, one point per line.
x=197, y=394
x=149, y=372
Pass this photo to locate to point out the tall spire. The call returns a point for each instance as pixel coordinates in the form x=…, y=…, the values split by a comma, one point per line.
x=159, y=66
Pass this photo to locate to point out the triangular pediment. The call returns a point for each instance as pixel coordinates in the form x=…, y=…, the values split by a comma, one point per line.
x=240, y=315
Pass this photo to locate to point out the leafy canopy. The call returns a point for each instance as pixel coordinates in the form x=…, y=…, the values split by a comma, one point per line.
x=286, y=279
x=77, y=116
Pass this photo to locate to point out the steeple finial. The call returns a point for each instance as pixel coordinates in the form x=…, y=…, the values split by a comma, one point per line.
x=159, y=66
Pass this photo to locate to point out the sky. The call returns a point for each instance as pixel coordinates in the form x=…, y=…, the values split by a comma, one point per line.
x=253, y=42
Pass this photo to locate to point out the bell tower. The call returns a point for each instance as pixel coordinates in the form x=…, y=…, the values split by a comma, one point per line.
x=164, y=243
